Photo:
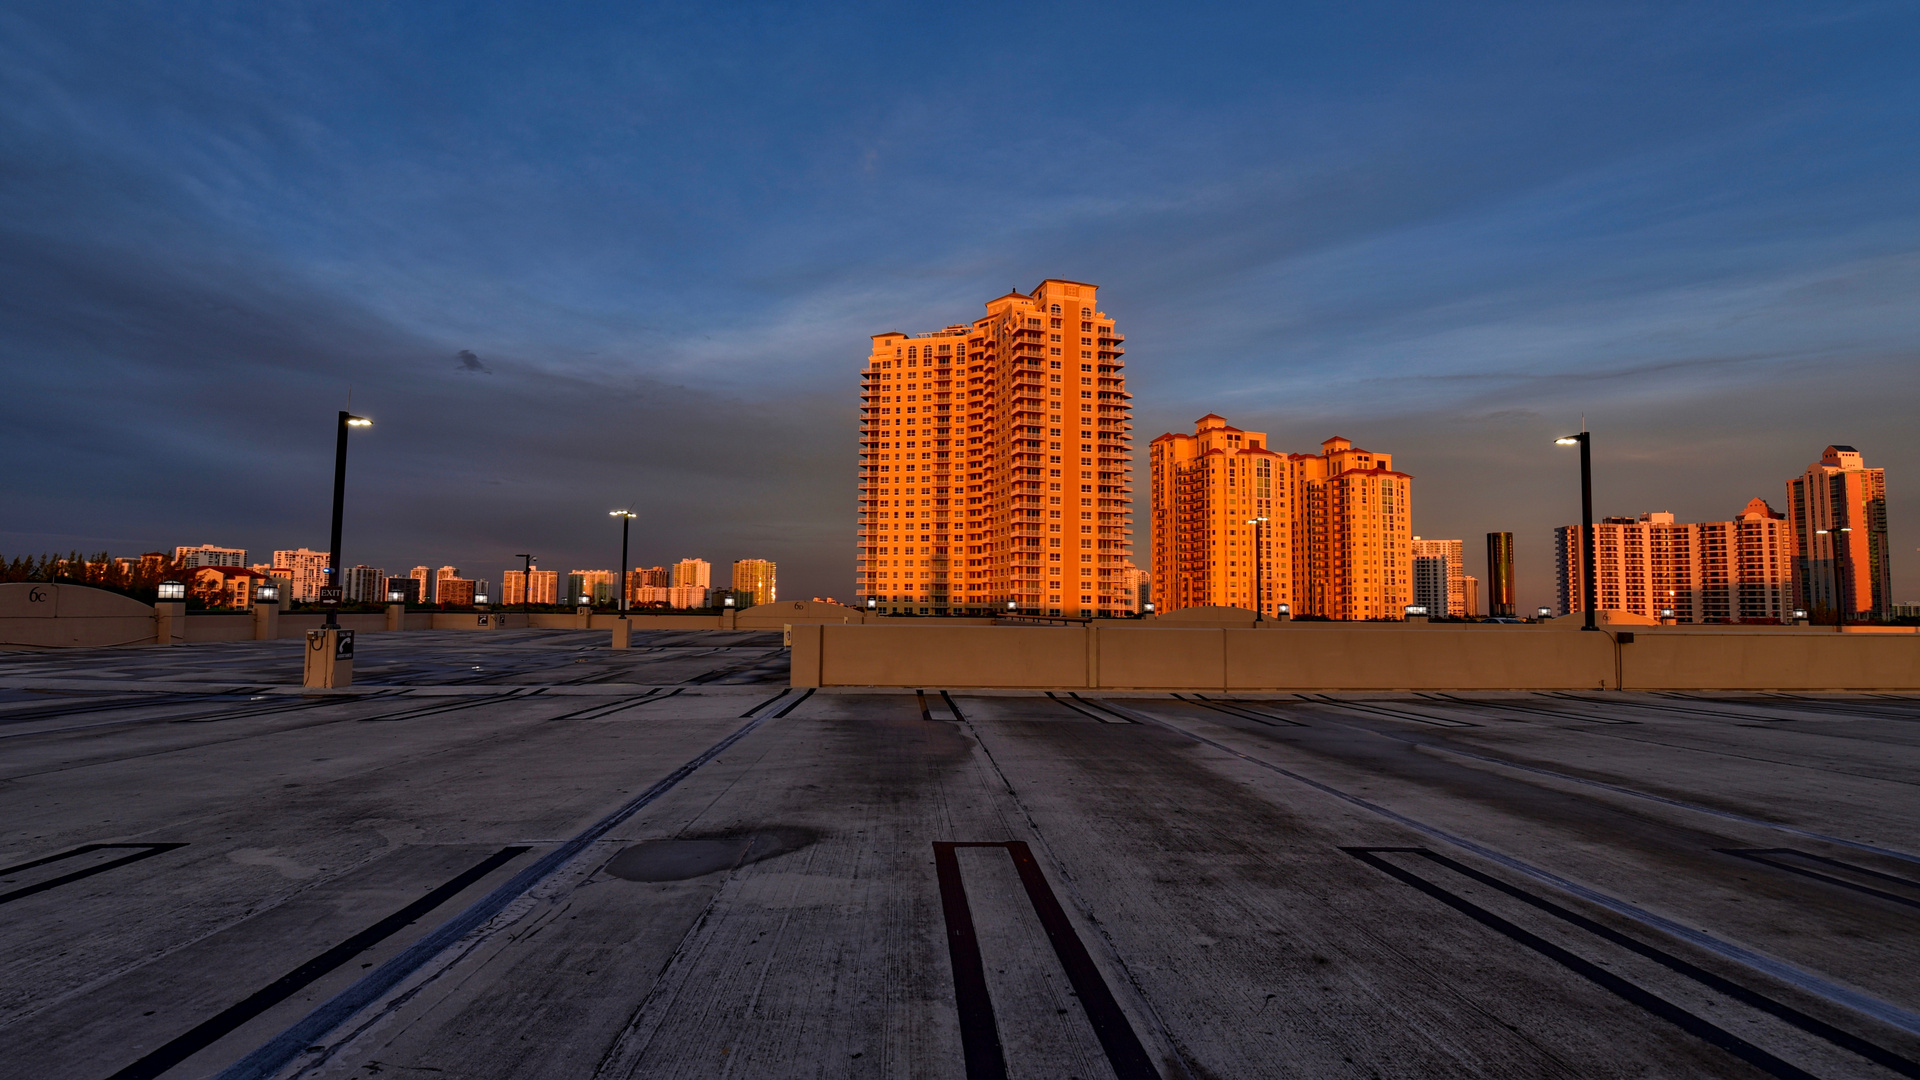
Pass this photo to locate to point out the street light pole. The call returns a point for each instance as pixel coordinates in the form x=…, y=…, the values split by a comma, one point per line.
x=626, y=521
x=526, y=587
x=332, y=594
x=1586, y=515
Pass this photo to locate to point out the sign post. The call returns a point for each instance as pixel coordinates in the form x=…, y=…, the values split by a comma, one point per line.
x=329, y=659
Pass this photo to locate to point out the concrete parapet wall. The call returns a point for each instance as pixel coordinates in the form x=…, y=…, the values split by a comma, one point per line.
x=1350, y=656
x=35, y=615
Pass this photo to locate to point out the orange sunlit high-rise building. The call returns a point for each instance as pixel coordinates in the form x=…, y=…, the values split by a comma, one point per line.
x=1703, y=572
x=1238, y=524
x=1222, y=519
x=1837, y=511
x=996, y=463
x=1358, y=534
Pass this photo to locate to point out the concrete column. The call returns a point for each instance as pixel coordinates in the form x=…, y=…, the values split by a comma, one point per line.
x=329, y=659
x=582, y=617
x=266, y=620
x=396, y=616
x=727, y=618
x=169, y=622
x=621, y=629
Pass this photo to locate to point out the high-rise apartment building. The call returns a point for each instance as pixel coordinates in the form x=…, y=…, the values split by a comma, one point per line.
x=423, y=575
x=209, y=555
x=1705, y=572
x=1473, y=595
x=692, y=581
x=364, y=584
x=754, y=582
x=1837, y=511
x=647, y=586
x=1238, y=524
x=1132, y=589
x=1359, y=526
x=455, y=591
x=1223, y=521
x=1500, y=602
x=599, y=586
x=306, y=571
x=545, y=587
x=995, y=461
x=1439, y=577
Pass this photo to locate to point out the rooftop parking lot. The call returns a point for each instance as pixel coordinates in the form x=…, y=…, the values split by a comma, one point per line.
x=522, y=854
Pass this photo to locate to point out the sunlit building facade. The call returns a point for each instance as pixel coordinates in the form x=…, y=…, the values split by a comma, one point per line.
x=1439, y=577
x=1238, y=524
x=1737, y=571
x=1837, y=513
x=545, y=587
x=754, y=582
x=305, y=571
x=1358, y=533
x=1500, y=601
x=1222, y=528
x=209, y=555
x=996, y=462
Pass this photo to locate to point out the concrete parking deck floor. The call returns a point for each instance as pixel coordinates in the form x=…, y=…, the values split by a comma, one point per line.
x=520, y=854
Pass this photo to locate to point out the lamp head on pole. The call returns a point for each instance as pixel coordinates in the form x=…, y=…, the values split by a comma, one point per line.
x=1571, y=440
x=358, y=421
x=622, y=513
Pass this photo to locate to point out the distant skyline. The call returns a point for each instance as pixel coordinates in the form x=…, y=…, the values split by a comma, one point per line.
x=576, y=259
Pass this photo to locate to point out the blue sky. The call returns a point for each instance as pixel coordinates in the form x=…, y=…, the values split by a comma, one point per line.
x=662, y=235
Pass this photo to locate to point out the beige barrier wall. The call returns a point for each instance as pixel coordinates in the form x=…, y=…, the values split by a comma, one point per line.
x=1336, y=656
x=219, y=627
x=40, y=616
x=1803, y=660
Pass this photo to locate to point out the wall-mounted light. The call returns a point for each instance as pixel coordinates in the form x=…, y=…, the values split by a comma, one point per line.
x=266, y=594
x=1546, y=613
x=481, y=598
x=172, y=590
x=1416, y=609
x=396, y=596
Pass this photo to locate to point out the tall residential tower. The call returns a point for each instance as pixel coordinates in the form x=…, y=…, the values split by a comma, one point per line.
x=1837, y=510
x=1237, y=524
x=996, y=462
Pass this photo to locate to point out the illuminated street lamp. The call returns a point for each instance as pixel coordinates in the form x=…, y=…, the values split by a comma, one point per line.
x=626, y=522
x=1586, y=516
x=330, y=594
